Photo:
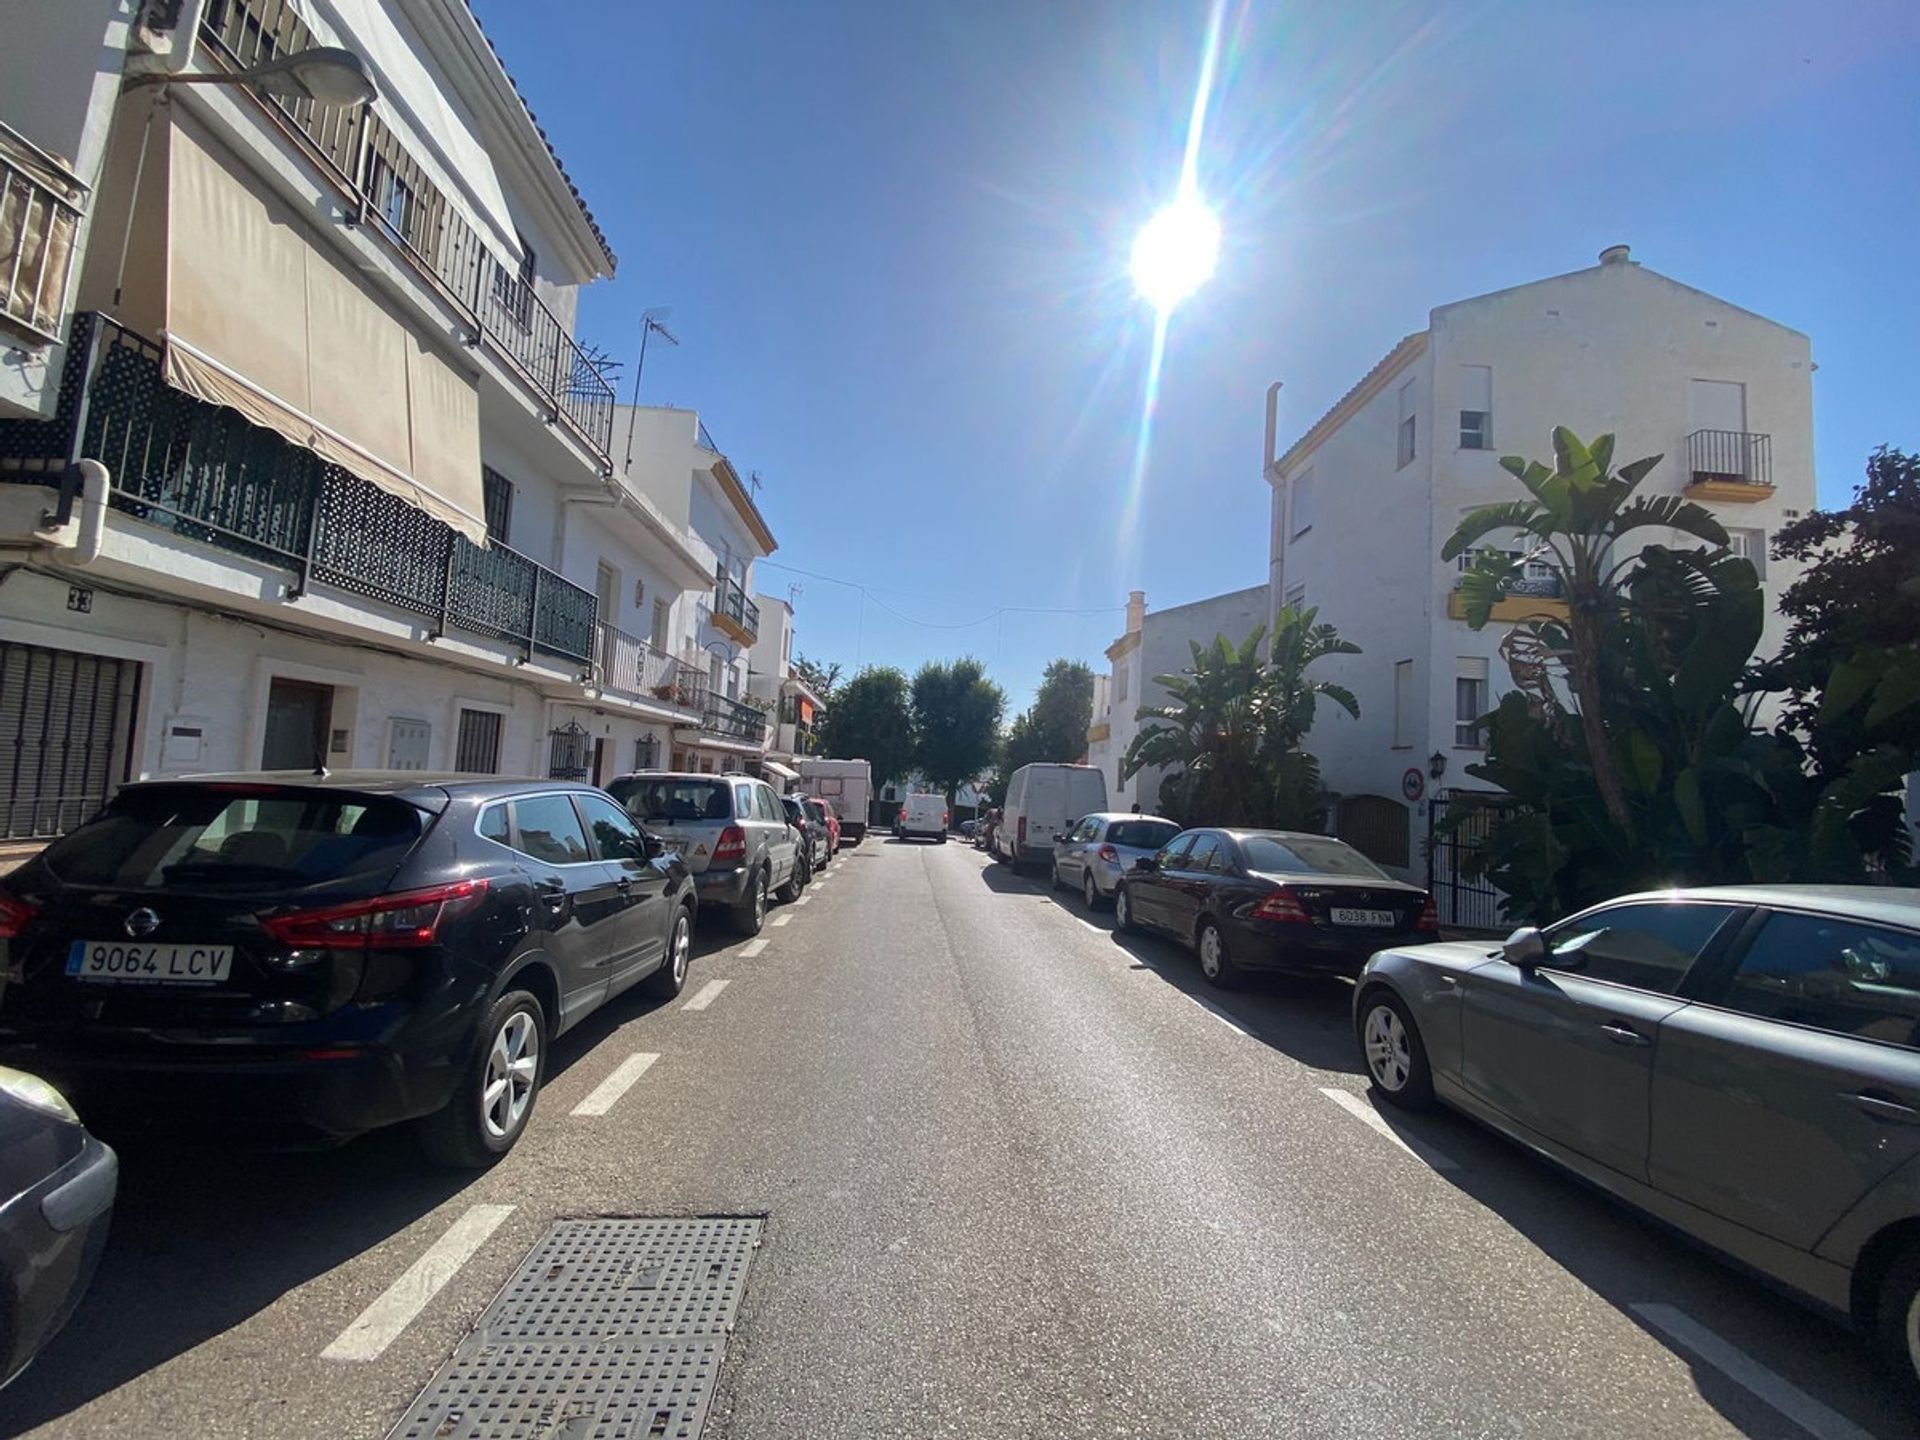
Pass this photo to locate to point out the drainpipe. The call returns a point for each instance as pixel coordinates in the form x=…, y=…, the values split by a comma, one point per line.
x=76, y=542
x=1270, y=471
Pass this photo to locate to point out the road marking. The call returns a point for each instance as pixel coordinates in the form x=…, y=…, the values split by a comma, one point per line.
x=381, y=1322
x=609, y=1090
x=754, y=947
x=804, y=899
x=1749, y=1374
x=707, y=994
x=1368, y=1116
x=1097, y=929
x=779, y=920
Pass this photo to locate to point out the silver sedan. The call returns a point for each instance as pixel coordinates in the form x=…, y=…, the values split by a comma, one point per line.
x=1092, y=855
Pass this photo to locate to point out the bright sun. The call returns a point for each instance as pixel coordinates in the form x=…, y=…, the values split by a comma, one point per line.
x=1175, y=252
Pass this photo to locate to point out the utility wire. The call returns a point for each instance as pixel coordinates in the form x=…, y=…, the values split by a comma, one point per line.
x=867, y=593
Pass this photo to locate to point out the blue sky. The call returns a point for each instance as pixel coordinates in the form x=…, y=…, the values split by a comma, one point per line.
x=895, y=238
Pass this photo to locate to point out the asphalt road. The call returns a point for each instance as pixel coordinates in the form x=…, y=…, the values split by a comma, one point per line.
x=1021, y=1178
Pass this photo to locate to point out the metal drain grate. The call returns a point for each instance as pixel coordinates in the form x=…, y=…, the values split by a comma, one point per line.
x=609, y=1330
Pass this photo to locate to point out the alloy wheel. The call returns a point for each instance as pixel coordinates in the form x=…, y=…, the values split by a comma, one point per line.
x=513, y=1066
x=1091, y=891
x=1390, y=1057
x=760, y=899
x=682, y=944
x=1122, y=908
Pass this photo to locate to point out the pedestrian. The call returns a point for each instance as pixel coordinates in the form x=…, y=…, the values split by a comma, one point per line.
x=1136, y=807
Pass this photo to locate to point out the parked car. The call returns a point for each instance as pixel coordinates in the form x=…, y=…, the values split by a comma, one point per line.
x=1045, y=800
x=923, y=817
x=1271, y=900
x=818, y=847
x=1743, y=1063
x=324, y=955
x=969, y=828
x=730, y=830
x=823, y=812
x=847, y=785
x=55, y=1206
x=1094, y=854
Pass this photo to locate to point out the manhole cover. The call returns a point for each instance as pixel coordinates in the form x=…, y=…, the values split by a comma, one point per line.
x=610, y=1330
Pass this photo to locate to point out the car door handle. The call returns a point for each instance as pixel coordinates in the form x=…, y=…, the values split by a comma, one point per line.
x=1622, y=1034
x=1881, y=1108
x=624, y=883
x=554, y=892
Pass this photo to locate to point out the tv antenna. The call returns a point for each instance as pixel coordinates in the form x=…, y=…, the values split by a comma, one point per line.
x=652, y=322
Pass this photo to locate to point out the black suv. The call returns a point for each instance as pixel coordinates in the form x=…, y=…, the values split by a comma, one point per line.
x=310, y=957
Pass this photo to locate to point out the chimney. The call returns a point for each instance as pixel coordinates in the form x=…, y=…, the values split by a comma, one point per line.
x=1615, y=255
x=1136, y=611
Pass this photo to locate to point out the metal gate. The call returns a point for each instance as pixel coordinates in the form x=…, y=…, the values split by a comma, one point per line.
x=68, y=719
x=1459, y=823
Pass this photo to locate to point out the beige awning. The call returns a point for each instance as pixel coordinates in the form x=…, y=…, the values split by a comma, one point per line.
x=774, y=767
x=259, y=317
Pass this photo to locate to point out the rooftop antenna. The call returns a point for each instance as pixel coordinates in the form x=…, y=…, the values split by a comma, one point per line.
x=753, y=479
x=651, y=322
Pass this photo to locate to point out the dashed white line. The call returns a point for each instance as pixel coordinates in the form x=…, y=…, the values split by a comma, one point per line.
x=754, y=947
x=381, y=1322
x=780, y=920
x=1368, y=1116
x=1749, y=1374
x=706, y=995
x=609, y=1090
x=803, y=900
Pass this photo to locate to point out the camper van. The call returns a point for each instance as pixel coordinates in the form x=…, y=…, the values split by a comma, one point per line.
x=847, y=785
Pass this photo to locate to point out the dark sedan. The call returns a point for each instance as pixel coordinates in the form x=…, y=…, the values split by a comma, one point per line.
x=1271, y=900
x=54, y=1208
x=308, y=957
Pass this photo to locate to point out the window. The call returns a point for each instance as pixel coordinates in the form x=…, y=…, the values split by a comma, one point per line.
x=768, y=802
x=1302, y=504
x=1402, y=704
x=494, y=826
x=1175, y=851
x=549, y=830
x=661, y=613
x=396, y=203
x=1469, y=701
x=1204, y=854
x=1751, y=545
x=615, y=836
x=514, y=290
x=476, y=749
x=1649, y=947
x=1140, y=834
x=1476, y=407
x=646, y=752
x=1833, y=974
x=1406, y=440
x=1296, y=597
x=1120, y=679
x=496, y=498
x=1308, y=855
x=673, y=801
x=743, y=801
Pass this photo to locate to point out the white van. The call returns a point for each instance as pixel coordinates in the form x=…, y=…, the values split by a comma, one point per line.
x=923, y=817
x=847, y=785
x=1044, y=801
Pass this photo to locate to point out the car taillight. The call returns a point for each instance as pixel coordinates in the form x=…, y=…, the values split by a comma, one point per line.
x=731, y=847
x=15, y=914
x=1020, y=833
x=1282, y=905
x=1429, y=921
x=1108, y=854
x=409, y=918
x=943, y=819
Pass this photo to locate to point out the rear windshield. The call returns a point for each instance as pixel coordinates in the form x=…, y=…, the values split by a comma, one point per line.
x=189, y=836
x=1304, y=853
x=818, y=809
x=669, y=801
x=1141, y=834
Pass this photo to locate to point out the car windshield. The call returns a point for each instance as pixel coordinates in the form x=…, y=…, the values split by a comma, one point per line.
x=668, y=800
x=1307, y=854
x=1141, y=834
x=195, y=836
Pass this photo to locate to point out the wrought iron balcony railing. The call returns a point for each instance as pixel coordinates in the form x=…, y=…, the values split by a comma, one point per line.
x=1730, y=457
x=393, y=195
x=630, y=666
x=202, y=471
x=734, y=719
x=730, y=599
x=41, y=204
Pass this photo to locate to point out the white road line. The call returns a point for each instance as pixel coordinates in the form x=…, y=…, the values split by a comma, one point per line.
x=706, y=995
x=1222, y=1016
x=804, y=899
x=1749, y=1374
x=609, y=1090
x=1368, y=1116
x=780, y=920
x=1097, y=929
x=381, y=1322
x=754, y=947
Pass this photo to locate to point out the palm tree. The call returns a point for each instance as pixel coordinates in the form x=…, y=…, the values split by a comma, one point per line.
x=1577, y=516
x=1212, y=731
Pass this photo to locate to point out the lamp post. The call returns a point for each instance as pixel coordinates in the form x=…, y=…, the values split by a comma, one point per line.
x=325, y=74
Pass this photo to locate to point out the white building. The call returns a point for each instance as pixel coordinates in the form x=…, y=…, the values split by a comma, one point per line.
x=304, y=465
x=1156, y=643
x=1364, y=500
x=793, y=708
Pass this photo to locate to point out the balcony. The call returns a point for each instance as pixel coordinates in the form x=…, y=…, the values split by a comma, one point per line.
x=1729, y=466
x=734, y=615
x=1528, y=597
x=734, y=720
x=204, y=473
x=628, y=665
x=393, y=196
x=40, y=211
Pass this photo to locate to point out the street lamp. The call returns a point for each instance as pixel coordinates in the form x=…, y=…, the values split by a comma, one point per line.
x=1436, y=766
x=324, y=74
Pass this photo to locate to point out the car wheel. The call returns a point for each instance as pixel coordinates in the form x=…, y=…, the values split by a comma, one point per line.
x=494, y=1099
x=796, y=882
x=1395, y=1057
x=671, y=977
x=1123, y=920
x=1215, y=963
x=751, y=914
x=1089, y=891
x=1896, y=1330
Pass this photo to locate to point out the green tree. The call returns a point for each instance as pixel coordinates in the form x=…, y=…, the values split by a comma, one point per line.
x=871, y=719
x=1574, y=522
x=1054, y=727
x=956, y=721
x=818, y=678
x=1298, y=798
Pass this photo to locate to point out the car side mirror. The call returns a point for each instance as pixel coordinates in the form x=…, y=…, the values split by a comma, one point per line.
x=1525, y=947
x=1147, y=862
x=650, y=846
